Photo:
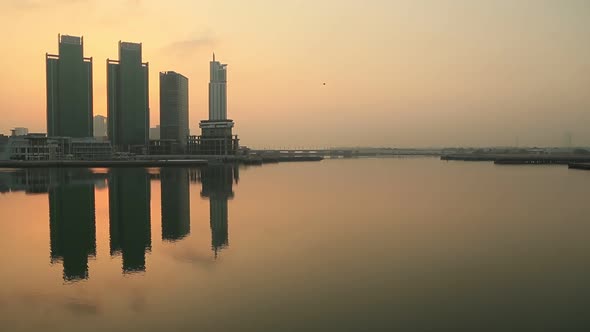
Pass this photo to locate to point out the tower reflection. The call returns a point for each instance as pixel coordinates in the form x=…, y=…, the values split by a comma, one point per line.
x=72, y=228
x=71, y=196
x=174, y=184
x=129, y=214
x=217, y=185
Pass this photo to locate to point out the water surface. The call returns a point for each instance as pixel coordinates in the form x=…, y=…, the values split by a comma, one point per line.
x=340, y=245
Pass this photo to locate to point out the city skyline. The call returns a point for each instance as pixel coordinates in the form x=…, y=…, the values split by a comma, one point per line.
x=422, y=75
x=72, y=231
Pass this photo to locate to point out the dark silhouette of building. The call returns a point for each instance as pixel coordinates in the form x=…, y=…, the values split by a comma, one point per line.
x=128, y=99
x=69, y=90
x=217, y=186
x=129, y=213
x=176, y=223
x=174, y=108
x=72, y=227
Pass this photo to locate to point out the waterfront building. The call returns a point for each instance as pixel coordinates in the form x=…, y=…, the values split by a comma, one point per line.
x=19, y=131
x=174, y=108
x=30, y=147
x=40, y=147
x=100, y=126
x=69, y=89
x=164, y=147
x=128, y=99
x=216, y=133
x=87, y=149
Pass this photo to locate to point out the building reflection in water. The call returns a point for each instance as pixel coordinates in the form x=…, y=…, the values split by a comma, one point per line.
x=72, y=210
x=174, y=184
x=129, y=214
x=217, y=186
x=72, y=227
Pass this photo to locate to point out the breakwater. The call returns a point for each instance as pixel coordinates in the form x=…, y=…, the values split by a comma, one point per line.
x=521, y=159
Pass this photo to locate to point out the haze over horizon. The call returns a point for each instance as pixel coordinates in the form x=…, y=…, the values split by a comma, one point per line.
x=398, y=73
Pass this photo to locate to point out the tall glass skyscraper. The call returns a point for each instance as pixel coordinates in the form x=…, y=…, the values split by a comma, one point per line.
x=128, y=98
x=174, y=107
x=217, y=90
x=69, y=90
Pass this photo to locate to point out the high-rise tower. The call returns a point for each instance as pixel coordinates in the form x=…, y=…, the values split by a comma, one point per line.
x=217, y=91
x=216, y=133
x=174, y=107
x=69, y=89
x=128, y=98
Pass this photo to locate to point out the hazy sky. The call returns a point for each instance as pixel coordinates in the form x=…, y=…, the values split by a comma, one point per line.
x=398, y=73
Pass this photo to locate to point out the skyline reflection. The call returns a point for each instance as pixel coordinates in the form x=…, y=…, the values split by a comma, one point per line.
x=72, y=220
x=176, y=210
x=129, y=217
x=217, y=186
x=72, y=226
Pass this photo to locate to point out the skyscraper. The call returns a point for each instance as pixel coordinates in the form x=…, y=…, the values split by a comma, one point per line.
x=174, y=107
x=217, y=90
x=69, y=89
x=128, y=98
x=216, y=133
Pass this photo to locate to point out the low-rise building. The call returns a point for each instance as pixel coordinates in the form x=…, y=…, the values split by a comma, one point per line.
x=41, y=147
x=19, y=131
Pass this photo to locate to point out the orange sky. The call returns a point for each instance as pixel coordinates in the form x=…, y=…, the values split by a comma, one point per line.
x=398, y=73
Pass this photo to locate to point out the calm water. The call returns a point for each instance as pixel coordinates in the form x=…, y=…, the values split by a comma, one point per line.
x=341, y=245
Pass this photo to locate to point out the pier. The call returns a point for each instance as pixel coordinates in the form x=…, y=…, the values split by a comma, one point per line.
x=582, y=166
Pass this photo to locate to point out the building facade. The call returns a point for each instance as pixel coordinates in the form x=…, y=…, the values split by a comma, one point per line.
x=217, y=90
x=41, y=147
x=128, y=99
x=100, y=126
x=155, y=133
x=69, y=89
x=174, y=108
x=19, y=131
